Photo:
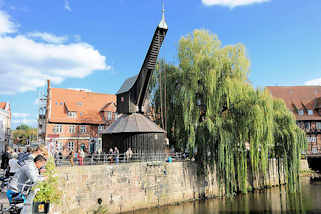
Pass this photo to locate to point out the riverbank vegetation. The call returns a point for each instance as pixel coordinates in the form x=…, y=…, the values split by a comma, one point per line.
x=208, y=107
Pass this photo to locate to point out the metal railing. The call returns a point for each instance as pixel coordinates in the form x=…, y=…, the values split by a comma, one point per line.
x=99, y=159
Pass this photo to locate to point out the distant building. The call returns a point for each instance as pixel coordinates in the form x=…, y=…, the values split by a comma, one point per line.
x=75, y=118
x=5, y=125
x=305, y=103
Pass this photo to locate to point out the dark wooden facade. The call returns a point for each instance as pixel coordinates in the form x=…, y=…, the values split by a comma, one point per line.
x=145, y=146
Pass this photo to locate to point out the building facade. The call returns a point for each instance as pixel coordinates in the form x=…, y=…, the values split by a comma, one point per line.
x=75, y=118
x=5, y=125
x=305, y=103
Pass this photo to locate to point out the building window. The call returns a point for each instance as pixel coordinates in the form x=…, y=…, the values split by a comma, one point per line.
x=82, y=129
x=116, y=115
x=318, y=125
x=57, y=128
x=72, y=114
x=59, y=146
x=301, y=112
x=311, y=139
x=101, y=128
x=307, y=125
x=71, y=146
x=310, y=112
x=109, y=115
x=72, y=129
x=314, y=150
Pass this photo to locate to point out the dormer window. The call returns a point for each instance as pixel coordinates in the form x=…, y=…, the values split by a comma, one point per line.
x=72, y=114
x=101, y=128
x=301, y=112
x=310, y=112
x=109, y=115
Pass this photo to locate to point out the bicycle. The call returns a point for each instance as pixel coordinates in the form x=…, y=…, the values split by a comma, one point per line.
x=18, y=201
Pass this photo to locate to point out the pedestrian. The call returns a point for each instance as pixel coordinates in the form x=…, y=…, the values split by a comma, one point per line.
x=13, y=165
x=81, y=157
x=129, y=154
x=6, y=156
x=110, y=155
x=28, y=174
x=71, y=158
x=116, y=154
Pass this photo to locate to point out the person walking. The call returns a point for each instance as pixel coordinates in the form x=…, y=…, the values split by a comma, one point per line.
x=71, y=158
x=81, y=157
x=116, y=151
x=5, y=158
x=129, y=154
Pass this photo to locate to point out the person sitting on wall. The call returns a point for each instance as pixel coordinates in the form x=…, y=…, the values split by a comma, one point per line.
x=129, y=154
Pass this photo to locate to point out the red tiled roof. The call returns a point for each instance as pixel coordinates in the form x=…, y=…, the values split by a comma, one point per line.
x=300, y=97
x=87, y=106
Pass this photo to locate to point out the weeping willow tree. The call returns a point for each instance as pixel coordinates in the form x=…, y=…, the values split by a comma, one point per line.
x=224, y=122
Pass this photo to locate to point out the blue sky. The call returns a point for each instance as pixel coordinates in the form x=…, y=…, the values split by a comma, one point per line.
x=96, y=45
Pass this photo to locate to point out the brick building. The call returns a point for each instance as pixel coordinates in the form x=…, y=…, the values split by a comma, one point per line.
x=5, y=124
x=75, y=118
x=305, y=103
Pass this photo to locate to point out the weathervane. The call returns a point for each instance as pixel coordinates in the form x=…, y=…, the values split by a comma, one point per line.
x=163, y=24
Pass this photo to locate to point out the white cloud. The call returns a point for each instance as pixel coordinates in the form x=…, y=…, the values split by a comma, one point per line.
x=50, y=38
x=20, y=115
x=30, y=122
x=313, y=82
x=26, y=64
x=81, y=89
x=232, y=3
x=67, y=5
x=6, y=25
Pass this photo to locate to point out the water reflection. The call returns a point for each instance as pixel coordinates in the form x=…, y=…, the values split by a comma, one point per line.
x=275, y=201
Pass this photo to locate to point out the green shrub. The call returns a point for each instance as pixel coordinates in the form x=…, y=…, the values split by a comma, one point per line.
x=49, y=190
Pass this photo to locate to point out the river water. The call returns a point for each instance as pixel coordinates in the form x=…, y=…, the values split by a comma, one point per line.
x=274, y=200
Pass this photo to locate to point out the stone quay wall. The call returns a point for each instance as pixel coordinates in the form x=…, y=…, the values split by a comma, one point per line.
x=132, y=186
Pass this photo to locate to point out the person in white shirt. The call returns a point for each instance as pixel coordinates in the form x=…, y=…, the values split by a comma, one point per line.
x=13, y=164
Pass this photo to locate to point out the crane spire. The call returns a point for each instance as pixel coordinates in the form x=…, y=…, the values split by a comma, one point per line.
x=163, y=24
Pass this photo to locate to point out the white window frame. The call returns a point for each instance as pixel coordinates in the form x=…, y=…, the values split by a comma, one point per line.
x=310, y=112
x=83, y=129
x=59, y=146
x=101, y=128
x=109, y=115
x=311, y=139
x=72, y=129
x=57, y=128
x=71, y=146
x=301, y=112
x=318, y=125
x=72, y=114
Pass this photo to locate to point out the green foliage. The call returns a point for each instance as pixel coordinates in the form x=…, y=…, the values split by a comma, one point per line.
x=24, y=134
x=212, y=109
x=23, y=127
x=49, y=188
